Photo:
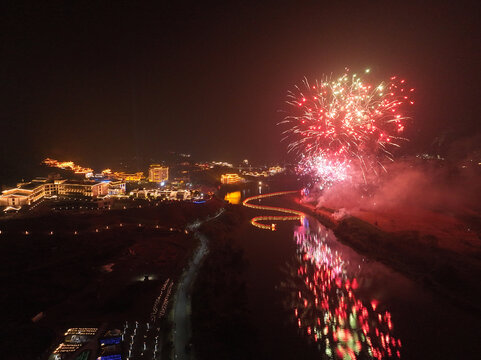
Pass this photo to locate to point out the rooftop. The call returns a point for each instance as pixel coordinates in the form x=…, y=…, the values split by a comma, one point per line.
x=31, y=185
x=80, y=182
x=17, y=193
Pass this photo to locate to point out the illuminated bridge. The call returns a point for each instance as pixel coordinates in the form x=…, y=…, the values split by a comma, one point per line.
x=294, y=215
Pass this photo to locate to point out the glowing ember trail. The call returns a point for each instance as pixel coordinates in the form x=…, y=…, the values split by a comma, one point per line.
x=297, y=215
x=346, y=122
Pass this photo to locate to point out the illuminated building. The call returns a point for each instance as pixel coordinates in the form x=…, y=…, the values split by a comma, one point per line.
x=158, y=173
x=230, y=179
x=68, y=165
x=256, y=173
x=120, y=175
x=23, y=194
x=30, y=192
x=74, y=339
x=65, y=349
x=162, y=194
x=134, y=177
x=117, y=187
x=82, y=188
x=107, y=173
x=204, y=166
x=14, y=198
x=275, y=170
x=82, y=331
x=222, y=164
x=262, y=172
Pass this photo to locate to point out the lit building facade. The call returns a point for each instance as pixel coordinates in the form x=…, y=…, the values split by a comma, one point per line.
x=230, y=179
x=276, y=170
x=131, y=177
x=120, y=175
x=117, y=188
x=31, y=192
x=158, y=173
x=68, y=165
x=23, y=194
x=82, y=189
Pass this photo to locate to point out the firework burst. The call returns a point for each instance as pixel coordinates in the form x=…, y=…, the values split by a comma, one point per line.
x=346, y=121
x=323, y=170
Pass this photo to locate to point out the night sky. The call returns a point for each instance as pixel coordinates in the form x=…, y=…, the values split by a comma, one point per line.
x=96, y=81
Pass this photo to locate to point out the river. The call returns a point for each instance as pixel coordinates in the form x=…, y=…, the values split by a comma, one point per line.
x=312, y=297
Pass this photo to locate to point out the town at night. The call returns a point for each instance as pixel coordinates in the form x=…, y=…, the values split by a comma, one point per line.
x=240, y=180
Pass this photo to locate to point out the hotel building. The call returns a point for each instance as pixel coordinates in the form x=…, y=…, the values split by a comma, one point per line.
x=158, y=173
x=231, y=179
x=31, y=192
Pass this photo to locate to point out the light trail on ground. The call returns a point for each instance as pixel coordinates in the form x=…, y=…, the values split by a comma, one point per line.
x=297, y=215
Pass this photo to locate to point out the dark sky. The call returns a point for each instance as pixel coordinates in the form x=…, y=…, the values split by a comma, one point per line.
x=99, y=80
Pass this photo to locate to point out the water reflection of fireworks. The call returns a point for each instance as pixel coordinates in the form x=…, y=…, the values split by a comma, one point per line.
x=322, y=295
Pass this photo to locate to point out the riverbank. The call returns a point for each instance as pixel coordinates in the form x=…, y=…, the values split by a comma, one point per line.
x=415, y=254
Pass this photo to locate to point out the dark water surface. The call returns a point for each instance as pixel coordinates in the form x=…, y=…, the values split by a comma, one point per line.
x=312, y=297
